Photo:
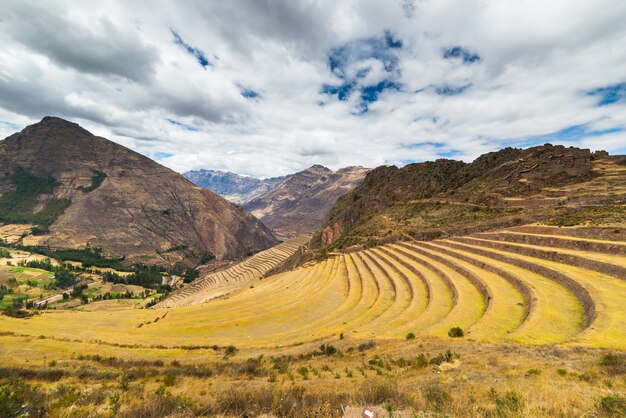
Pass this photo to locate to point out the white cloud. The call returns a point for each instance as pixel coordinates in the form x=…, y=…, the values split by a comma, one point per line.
x=114, y=67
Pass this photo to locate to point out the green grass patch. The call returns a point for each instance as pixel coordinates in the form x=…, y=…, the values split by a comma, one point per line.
x=17, y=206
x=9, y=300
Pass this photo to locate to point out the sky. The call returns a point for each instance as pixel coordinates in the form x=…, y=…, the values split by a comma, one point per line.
x=270, y=87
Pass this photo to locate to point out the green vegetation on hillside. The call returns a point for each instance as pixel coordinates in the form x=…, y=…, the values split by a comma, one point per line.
x=17, y=206
x=96, y=180
x=145, y=276
x=591, y=216
x=89, y=256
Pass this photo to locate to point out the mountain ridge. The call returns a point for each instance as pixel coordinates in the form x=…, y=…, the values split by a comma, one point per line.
x=122, y=201
x=300, y=203
x=447, y=197
x=234, y=187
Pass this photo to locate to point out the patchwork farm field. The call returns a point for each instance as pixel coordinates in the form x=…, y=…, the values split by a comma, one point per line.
x=526, y=306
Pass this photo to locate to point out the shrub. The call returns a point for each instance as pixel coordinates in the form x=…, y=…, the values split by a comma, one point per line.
x=455, y=332
x=561, y=372
x=304, y=372
x=366, y=346
x=509, y=404
x=14, y=394
x=280, y=364
x=377, y=391
x=4, y=253
x=612, y=406
x=328, y=349
x=441, y=358
x=420, y=361
x=251, y=367
x=169, y=379
x=533, y=372
x=614, y=363
x=230, y=350
x=437, y=397
x=410, y=336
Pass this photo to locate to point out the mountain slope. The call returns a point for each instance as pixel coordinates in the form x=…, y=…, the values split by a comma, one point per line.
x=433, y=199
x=96, y=192
x=300, y=203
x=238, y=189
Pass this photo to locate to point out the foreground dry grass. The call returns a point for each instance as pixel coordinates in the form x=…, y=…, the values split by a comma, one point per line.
x=427, y=377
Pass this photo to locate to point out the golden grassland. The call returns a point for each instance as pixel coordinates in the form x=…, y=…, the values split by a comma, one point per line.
x=541, y=308
x=425, y=377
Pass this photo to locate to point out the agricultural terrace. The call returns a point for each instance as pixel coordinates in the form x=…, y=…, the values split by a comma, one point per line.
x=530, y=284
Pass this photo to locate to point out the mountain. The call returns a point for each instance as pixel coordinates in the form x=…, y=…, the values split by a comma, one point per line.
x=79, y=189
x=446, y=197
x=234, y=187
x=301, y=202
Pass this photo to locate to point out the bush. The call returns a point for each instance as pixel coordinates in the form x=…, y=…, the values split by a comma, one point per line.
x=437, y=397
x=169, y=379
x=455, y=332
x=15, y=395
x=441, y=358
x=614, y=363
x=610, y=359
x=533, y=372
x=230, y=350
x=612, y=406
x=328, y=349
x=366, y=346
x=304, y=372
x=377, y=391
x=410, y=336
x=4, y=253
x=510, y=404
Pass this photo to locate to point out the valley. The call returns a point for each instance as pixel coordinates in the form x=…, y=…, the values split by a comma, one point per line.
x=440, y=288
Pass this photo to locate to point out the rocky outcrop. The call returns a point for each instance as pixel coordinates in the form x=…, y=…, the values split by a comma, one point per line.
x=437, y=198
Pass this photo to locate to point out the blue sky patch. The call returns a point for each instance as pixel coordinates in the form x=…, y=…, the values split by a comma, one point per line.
x=571, y=133
x=182, y=125
x=249, y=93
x=446, y=90
x=10, y=125
x=370, y=93
x=161, y=155
x=198, y=54
x=458, y=52
x=609, y=94
x=343, y=60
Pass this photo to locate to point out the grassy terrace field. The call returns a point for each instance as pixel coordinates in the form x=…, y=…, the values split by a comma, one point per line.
x=489, y=285
x=540, y=309
x=236, y=277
